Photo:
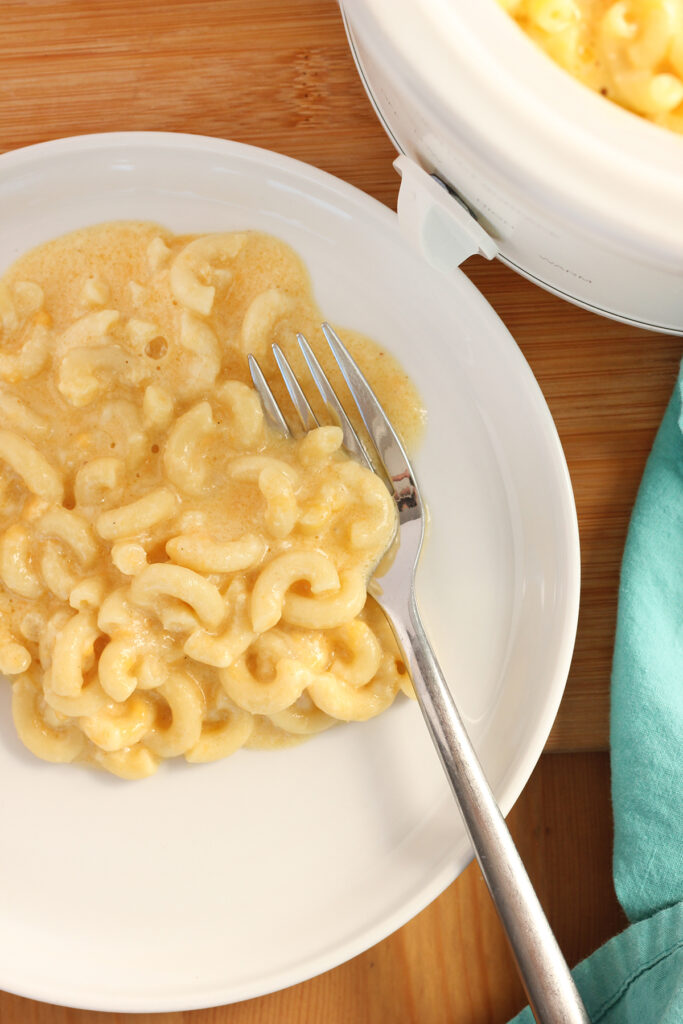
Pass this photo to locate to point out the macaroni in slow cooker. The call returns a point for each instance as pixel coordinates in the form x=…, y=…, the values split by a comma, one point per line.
x=631, y=51
x=175, y=578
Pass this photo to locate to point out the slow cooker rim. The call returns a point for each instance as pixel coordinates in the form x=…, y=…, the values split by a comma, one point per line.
x=653, y=233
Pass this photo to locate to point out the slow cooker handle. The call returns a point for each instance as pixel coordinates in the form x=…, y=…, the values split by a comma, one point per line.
x=436, y=221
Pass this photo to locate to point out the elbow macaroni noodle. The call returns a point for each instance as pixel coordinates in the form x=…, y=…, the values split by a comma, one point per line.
x=176, y=579
x=630, y=50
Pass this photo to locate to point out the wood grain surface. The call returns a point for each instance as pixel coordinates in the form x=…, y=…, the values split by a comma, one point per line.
x=278, y=74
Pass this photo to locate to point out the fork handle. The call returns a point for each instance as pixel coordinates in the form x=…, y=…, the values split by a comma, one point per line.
x=549, y=986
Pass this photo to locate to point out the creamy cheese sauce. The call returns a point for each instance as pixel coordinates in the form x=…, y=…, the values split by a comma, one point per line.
x=630, y=51
x=175, y=578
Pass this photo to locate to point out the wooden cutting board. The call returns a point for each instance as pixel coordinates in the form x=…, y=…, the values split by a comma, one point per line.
x=278, y=74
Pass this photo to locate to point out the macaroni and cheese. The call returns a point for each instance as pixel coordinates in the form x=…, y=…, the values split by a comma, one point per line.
x=630, y=50
x=175, y=578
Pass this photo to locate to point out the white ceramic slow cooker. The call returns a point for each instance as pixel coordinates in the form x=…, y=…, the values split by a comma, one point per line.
x=503, y=153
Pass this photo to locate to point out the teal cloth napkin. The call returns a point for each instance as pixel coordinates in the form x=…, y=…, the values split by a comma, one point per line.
x=637, y=977
x=647, y=686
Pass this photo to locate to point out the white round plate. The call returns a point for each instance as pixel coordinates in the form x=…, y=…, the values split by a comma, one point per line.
x=209, y=884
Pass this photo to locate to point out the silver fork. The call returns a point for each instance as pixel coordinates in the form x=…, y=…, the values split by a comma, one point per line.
x=550, y=988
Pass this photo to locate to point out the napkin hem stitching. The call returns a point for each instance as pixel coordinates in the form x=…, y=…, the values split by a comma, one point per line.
x=626, y=984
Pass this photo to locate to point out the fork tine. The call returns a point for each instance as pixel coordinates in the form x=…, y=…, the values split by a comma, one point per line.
x=271, y=410
x=299, y=400
x=391, y=452
x=352, y=442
